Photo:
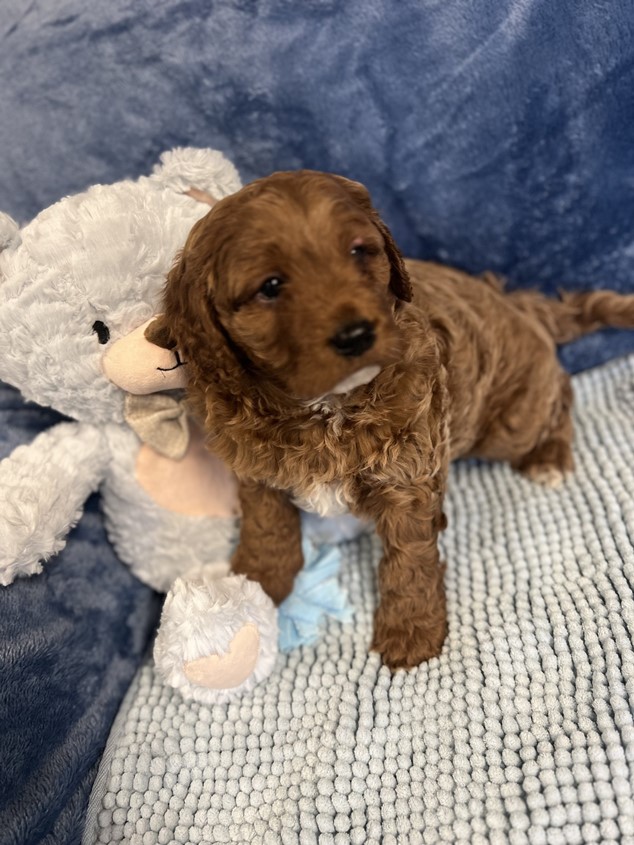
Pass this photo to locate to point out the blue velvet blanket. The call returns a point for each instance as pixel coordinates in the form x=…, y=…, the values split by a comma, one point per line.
x=70, y=641
x=492, y=134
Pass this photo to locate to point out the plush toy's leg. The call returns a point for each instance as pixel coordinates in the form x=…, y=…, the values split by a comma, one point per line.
x=218, y=635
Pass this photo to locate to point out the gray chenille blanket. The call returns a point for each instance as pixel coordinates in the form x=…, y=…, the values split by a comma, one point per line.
x=521, y=732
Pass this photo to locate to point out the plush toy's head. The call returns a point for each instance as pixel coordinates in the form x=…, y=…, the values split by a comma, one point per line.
x=86, y=273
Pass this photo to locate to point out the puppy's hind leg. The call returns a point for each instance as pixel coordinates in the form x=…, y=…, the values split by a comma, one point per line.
x=551, y=459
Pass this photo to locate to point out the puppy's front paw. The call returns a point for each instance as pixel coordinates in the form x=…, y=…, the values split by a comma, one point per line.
x=277, y=585
x=404, y=643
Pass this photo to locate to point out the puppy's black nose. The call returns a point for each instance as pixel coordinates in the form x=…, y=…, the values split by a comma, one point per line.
x=354, y=339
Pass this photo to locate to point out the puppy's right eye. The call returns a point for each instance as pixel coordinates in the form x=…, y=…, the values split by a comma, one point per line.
x=359, y=250
x=271, y=288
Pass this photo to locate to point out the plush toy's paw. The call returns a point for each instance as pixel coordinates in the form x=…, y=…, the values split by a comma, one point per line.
x=12, y=569
x=218, y=636
x=229, y=670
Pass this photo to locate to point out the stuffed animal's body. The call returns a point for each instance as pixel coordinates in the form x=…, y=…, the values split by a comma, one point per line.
x=77, y=287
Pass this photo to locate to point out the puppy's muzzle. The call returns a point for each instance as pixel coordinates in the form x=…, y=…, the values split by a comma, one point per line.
x=353, y=339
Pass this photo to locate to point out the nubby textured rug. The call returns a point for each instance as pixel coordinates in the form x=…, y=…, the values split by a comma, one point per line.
x=521, y=732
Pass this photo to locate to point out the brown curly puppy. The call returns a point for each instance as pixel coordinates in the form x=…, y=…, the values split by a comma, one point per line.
x=331, y=373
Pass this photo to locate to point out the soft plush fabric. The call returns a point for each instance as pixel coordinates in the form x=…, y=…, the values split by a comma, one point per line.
x=522, y=731
x=70, y=641
x=493, y=134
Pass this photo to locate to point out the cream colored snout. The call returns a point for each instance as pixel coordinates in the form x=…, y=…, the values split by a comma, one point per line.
x=138, y=366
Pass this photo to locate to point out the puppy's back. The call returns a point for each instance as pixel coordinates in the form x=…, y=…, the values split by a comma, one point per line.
x=489, y=345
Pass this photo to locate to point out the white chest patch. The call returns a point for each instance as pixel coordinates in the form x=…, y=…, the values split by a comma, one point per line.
x=324, y=403
x=363, y=376
x=323, y=499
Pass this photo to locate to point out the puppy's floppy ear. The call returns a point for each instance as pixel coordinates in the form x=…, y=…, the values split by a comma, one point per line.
x=158, y=333
x=189, y=320
x=400, y=283
x=163, y=329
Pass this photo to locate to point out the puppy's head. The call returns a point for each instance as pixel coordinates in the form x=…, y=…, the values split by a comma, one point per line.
x=295, y=280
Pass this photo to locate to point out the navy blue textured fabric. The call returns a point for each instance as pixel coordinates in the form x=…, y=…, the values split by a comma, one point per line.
x=492, y=134
x=71, y=639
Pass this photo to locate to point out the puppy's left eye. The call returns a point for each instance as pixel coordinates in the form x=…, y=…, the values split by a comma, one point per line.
x=359, y=250
x=271, y=288
x=102, y=331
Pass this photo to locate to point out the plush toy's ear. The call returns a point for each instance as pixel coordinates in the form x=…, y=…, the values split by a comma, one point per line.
x=201, y=196
x=9, y=232
x=206, y=171
x=400, y=283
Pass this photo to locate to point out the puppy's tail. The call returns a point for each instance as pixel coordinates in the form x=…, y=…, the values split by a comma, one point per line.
x=576, y=314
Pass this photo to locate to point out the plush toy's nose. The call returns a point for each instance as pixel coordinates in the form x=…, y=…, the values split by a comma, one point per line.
x=139, y=366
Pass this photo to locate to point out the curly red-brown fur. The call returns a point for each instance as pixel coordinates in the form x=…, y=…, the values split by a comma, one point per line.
x=461, y=369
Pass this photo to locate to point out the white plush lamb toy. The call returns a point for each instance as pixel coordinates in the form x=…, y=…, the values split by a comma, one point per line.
x=78, y=286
